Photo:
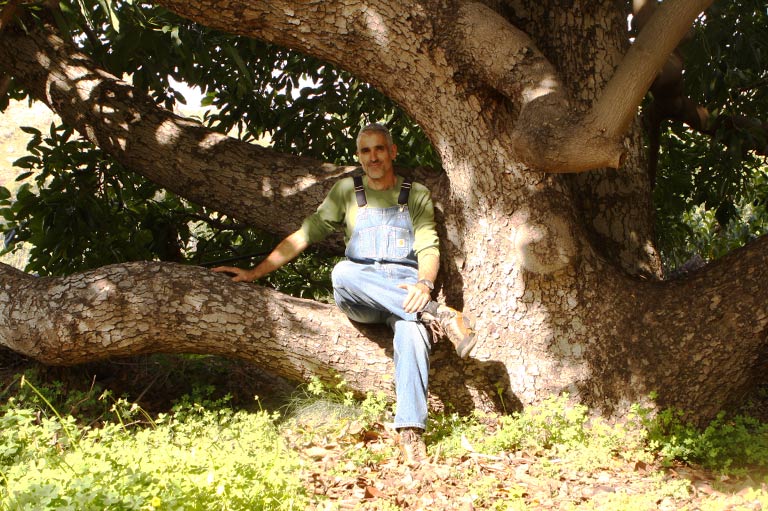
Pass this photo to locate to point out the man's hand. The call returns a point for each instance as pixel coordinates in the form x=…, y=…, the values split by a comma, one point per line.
x=418, y=297
x=238, y=274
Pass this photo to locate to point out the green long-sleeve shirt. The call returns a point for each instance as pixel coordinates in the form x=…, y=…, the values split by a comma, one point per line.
x=339, y=210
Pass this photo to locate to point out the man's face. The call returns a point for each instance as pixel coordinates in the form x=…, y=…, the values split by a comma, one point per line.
x=376, y=155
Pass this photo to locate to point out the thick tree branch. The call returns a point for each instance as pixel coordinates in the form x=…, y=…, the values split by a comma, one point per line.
x=620, y=99
x=162, y=307
x=727, y=343
x=259, y=186
x=323, y=29
x=546, y=135
x=150, y=307
x=373, y=40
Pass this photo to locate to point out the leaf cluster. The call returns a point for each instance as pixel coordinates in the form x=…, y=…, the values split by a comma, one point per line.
x=720, y=176
x=727, y=444
x=193, y=458
x=85, y=211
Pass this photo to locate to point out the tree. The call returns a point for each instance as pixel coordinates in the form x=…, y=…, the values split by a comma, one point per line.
x=545, y=206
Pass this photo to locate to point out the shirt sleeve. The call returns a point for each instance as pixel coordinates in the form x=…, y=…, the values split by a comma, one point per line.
x=329, y=216
x=423, y=218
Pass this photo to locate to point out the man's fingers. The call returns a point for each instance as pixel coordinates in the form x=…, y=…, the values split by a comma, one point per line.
x=237, y=274
x=416, y=299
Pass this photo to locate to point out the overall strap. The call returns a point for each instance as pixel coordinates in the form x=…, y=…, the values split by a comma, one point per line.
x=359, y=191
x=405, y=191
x=402, y=199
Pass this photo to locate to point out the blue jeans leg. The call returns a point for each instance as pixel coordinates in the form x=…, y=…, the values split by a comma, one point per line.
x=411, y=372
x=373, y=286
x=369, y=294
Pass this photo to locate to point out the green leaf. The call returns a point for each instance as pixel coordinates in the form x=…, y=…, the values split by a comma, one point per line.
x=31, y=130
x=114, y=20
x=27, y=162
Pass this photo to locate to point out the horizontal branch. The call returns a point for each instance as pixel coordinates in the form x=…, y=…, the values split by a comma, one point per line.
x=705, y=329
x=138, y=308
x=151, y=307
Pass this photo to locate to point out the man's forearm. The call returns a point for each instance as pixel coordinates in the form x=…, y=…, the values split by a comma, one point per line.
x=284, y=252
x=429, y=265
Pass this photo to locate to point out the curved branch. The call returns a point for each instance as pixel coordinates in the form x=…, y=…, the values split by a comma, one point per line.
x=724, y=343
x=620, y=99
x=259, y=186
x=151, y=307
x=546, y=136
x=370, y=39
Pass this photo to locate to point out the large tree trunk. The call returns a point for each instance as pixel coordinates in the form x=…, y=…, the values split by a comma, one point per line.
x=560, y=270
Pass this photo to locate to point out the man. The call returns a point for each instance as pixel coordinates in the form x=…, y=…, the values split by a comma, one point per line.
x=392, y=261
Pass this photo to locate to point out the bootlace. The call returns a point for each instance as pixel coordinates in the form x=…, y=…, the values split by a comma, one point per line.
x=436, y=327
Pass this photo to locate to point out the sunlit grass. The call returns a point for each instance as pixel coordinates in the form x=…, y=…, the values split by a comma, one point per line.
x=205, y=454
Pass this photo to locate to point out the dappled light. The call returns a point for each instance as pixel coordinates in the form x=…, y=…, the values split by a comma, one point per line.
x=544, y=87
x=376, y=25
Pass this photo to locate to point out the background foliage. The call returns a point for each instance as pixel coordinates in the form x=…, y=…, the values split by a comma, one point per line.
x=712, y=193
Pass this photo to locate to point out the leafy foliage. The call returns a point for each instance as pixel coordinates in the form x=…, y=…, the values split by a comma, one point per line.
x=202, y=453
x=729, y=444
x=193, y=458
x=86, y=211
x=205, y=455
x=711, y=192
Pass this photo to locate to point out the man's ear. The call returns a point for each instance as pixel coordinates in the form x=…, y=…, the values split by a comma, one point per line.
x=393, y=151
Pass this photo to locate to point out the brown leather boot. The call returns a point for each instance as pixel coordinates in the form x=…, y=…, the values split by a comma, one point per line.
x=412, y=446
x=458, y=327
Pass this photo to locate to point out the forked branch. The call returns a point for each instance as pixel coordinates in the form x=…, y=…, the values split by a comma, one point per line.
x=546, y=136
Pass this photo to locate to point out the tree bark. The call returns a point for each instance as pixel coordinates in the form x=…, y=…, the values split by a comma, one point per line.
x=560, y=270
x=150, y=307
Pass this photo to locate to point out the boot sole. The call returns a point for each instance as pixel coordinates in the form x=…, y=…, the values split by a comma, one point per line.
x=465, y=346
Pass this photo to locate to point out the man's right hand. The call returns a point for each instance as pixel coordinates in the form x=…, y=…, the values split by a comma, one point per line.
x=238, y=274
x=293, y=245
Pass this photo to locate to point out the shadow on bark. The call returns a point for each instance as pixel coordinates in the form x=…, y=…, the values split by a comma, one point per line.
x=490, y=378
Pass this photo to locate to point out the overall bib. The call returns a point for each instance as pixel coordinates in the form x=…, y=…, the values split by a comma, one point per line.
x=380, y=257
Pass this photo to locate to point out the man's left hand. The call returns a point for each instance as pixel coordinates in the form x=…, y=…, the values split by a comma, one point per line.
x=418, y=297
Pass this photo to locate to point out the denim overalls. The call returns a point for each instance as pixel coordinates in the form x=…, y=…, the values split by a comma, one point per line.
x=380, y=257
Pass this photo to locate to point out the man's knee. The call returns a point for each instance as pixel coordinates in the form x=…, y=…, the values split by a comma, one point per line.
x=343, y=274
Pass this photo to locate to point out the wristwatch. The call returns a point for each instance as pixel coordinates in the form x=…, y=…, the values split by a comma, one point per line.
x=427, y=283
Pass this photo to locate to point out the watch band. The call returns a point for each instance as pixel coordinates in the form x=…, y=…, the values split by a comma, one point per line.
x=427, y=283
